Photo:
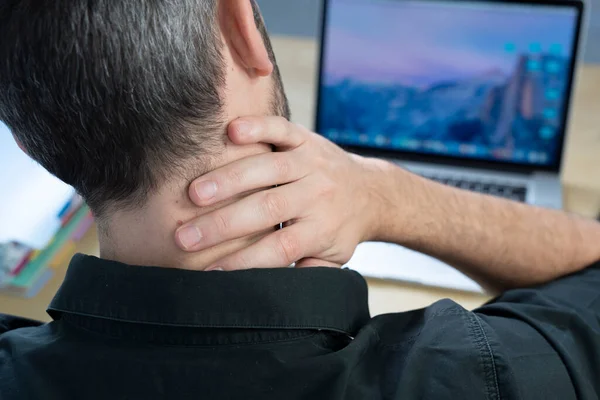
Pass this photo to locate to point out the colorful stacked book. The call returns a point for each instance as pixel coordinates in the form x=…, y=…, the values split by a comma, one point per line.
x=41, y=219
x=24, y=270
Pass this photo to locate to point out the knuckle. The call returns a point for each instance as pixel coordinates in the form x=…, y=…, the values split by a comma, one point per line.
x=243, y=261
x=283, y=124
x=280, y=120
x=347, y=252
x=222, y=223
x=235, y=176
x=282, y=166
x=274, y=207
x=322, y=163
x=328, y=240
x=327, y=189
x=288, y=247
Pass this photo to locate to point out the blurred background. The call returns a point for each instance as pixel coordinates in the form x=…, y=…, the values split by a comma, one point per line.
x=38, y=240
x=301, y=18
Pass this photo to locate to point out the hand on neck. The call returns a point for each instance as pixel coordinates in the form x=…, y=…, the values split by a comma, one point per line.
x=147, y=236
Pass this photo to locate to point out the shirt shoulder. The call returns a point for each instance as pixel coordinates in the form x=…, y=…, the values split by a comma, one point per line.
x=10, y=323
x=549, y=336
x=439, y=352
x=21, y=342
x=540, y=342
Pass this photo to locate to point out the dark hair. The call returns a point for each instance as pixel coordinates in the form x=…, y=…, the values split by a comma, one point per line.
x=111, y=95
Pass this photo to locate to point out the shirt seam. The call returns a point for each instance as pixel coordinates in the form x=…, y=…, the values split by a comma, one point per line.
x=202, y=325
x=159, y=343
x=491, y=354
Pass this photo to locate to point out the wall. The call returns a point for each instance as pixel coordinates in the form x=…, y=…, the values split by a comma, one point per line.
x=301, y=17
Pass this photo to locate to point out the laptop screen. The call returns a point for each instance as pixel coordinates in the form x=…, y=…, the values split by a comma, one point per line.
x=469, y=79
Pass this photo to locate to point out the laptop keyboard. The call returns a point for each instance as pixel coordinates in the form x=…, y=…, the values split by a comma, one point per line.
x=512, y=192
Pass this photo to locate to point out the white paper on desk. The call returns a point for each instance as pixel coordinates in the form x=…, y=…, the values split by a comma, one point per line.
x=30, y=197
x=390, y=261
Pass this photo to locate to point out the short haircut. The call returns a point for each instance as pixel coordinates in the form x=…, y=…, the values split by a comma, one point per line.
x=112, y=95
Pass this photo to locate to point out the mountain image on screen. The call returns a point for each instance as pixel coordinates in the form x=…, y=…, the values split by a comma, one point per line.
x=512, y=111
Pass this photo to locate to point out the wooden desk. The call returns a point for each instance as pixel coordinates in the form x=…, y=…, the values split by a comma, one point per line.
x=298, y=63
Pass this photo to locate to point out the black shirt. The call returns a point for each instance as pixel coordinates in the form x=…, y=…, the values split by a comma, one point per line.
x=124, y=332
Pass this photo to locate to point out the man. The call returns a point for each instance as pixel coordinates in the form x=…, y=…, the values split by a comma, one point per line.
x=129, y=101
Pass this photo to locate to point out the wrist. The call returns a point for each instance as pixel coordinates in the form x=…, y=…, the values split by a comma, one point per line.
x=405, y=213
x=383, y=183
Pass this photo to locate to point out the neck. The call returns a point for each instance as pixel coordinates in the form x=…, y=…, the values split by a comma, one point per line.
x=146, y=236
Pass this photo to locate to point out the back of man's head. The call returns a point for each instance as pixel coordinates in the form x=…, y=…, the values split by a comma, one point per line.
x=114, y=96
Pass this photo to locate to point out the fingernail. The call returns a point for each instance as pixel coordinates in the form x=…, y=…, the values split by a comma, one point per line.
x=189, y=237
x=243, y=126
x=206, y=190
x=214, y=268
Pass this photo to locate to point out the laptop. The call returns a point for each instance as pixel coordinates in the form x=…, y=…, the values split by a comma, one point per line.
x=473, y=94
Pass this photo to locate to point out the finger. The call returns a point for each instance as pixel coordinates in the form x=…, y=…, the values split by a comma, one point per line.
x=245, y=175
x=315, y=262
x=277, y=131
x=252, y=214
x=279, y=249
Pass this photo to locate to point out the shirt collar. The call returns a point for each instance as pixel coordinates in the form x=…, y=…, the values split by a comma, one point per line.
x=286, y=298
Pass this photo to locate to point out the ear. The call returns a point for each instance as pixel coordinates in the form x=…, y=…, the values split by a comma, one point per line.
x=21, y=145
x=236, y=20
